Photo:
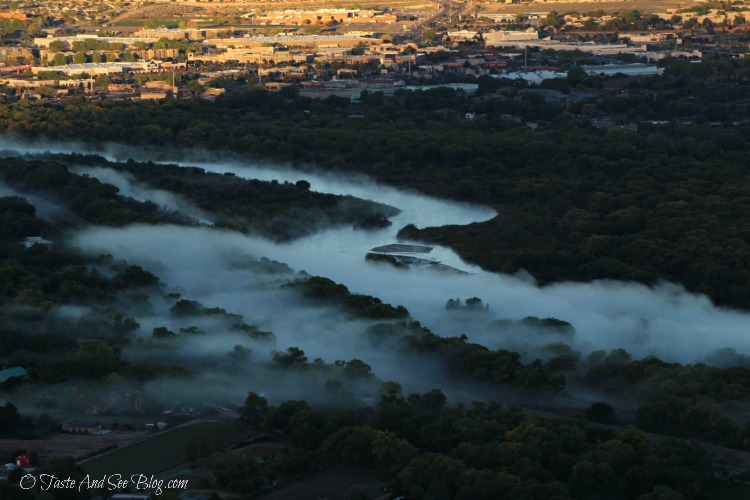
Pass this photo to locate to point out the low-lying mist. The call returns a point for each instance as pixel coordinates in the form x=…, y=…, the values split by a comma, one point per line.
x=211, y=266
x=664, y=321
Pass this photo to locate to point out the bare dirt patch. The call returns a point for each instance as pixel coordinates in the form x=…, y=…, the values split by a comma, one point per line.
x=642, y=6
x=61, y=445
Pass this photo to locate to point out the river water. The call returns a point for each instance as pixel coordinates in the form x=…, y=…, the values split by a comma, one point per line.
x=665, y=320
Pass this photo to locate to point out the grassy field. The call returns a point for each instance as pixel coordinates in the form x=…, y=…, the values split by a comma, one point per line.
x=162, y=451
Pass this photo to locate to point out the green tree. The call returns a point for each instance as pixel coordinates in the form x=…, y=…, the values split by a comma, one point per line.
x=293, y=356
x=602, y=413
x=279, y=418
x=390, y=453
x=662, y=493
x=92, y=349
x=255, y=410
x=351, y=445
x=432, y=476
x=163, y=332
x=57, y=46
x=357, y=369
x=588, y=480
x=79, y=58
x=194, y=87
x=103, y=81
x=309, y=428
x=59, y=60
x=553, y=20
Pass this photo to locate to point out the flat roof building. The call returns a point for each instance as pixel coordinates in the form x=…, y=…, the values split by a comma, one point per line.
x=625, y=69
x=106, y=68
x=500, y=38
x=294, y=41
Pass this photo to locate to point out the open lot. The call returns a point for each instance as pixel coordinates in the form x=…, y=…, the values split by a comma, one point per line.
x=485, y=6
x=68, y=445
x=164, y=450
x=642, y=6
x=48, y=449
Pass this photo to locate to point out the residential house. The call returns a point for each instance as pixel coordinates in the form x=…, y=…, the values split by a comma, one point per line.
x=10, y=54
x=80, y=427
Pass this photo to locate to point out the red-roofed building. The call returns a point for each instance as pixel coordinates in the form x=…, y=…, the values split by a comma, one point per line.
x=23, y=461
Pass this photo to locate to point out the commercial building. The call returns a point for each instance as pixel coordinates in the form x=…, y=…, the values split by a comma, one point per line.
x=505, y=38
x=110, y=67
x=624, y=69
x=294, y=41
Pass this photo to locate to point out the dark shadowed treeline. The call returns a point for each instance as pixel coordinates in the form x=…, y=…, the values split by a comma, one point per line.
x=427, y=448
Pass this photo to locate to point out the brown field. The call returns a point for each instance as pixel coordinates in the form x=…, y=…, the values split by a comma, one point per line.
x=67, y=445
x=310, y=4
x=414, y=5
x=420, y=9
x=643, y=6
x=51, y=450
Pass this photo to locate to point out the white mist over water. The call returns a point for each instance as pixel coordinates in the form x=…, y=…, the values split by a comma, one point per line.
x=664, y=321
x=348, y=243
x=352, y=244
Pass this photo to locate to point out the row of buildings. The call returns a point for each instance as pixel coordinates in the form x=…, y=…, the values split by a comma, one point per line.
x=305, y=48
x=322, y=17
x=284, y=58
